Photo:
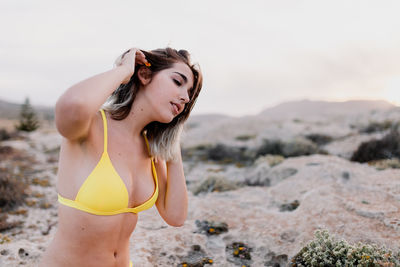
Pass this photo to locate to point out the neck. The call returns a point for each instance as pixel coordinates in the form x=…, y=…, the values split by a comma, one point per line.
x=139, y=116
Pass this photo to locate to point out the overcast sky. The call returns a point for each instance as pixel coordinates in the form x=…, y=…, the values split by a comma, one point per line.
x=253, y=54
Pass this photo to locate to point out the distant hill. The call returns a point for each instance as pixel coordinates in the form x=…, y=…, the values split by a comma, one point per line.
x=10, y=111
x=292, y=109
x=207, y=118
x=308, y=108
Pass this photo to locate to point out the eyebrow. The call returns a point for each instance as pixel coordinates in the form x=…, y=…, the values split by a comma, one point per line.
x=183, y=76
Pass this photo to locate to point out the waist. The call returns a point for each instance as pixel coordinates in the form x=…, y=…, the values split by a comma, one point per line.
x=63, y=252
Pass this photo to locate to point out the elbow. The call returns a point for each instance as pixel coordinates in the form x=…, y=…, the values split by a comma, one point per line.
x=68, y=99
x=177, y=222
x=70, y=105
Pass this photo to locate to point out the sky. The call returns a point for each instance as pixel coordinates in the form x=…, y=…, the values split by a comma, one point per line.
x=253, y=54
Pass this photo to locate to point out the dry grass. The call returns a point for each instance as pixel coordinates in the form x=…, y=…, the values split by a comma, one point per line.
x=13, y=183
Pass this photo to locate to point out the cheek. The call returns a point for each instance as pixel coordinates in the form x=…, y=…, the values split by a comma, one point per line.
x=163, y=89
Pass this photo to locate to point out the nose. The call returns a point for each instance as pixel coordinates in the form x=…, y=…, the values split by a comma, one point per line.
x=185, y=98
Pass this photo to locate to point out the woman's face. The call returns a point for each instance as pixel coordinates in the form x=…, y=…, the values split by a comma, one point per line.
x=168, y=91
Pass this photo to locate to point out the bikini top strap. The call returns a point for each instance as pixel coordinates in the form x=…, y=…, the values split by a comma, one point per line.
x=147, y=143
x=105, y=130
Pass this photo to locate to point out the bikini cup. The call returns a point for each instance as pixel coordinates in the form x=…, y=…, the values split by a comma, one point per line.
x=104, y=192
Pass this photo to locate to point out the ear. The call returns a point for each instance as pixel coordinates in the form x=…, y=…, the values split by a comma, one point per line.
x=144, y=75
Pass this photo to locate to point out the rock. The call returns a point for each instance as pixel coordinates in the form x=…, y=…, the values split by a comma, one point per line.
x=289, y=236
x=272, y=160
x=265, y=176
x=214, y=184
x=354, y=201
x=289, y=206
x=276, y=260
x=345, y=175
x=23, y=253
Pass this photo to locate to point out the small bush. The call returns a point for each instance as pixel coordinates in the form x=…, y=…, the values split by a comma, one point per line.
x=211, y=227
x=385, y=148
x=226, y=154
x=319, y=139
x=292, y=148
x=377, y=126
x=4, y=135
x=28, y=120
x=12, y=191
x=220, y=153
x=12, y=194
x=325, y=250
x=272, y=147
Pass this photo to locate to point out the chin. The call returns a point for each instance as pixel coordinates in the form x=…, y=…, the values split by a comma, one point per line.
x=166, y=119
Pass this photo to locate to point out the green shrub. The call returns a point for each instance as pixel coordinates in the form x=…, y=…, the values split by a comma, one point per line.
x=325, y=250
x=376, y=126
x=386, y=148
x=28, y=120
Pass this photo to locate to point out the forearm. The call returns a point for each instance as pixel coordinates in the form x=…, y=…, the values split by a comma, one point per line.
x=91, y=93
x=176, y=199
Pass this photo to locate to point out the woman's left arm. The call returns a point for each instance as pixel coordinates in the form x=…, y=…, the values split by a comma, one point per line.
x=172, y=201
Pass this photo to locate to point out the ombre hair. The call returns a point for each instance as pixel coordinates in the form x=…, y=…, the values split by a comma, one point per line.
x=163, y=138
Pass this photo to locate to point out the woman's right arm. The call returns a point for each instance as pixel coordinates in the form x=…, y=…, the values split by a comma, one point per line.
x=77, y=106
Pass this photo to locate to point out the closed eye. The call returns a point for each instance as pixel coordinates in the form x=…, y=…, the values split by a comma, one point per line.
x=177, y=82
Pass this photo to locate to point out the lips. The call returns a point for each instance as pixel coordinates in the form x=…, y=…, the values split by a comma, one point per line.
x=175, y=107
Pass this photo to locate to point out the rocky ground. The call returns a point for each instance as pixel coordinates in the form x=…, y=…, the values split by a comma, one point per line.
x=247, y=205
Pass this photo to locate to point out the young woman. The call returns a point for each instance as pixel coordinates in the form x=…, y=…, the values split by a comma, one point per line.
x=120, y=155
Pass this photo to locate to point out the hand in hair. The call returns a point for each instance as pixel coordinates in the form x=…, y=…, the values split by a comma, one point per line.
x=129, y=59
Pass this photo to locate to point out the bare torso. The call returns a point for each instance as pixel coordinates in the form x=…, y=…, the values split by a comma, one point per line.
x=84, y=239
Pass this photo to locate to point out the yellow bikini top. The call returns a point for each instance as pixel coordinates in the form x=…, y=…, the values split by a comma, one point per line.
x=104, y=192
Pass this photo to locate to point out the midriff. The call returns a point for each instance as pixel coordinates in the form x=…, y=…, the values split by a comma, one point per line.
x=84, y=239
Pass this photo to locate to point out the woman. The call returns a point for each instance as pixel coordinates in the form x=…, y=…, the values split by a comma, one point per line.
x=122, y=158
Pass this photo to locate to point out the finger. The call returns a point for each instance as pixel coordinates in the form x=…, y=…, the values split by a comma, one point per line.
x=141, y=59
x=140, y=62
x=142, y=55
